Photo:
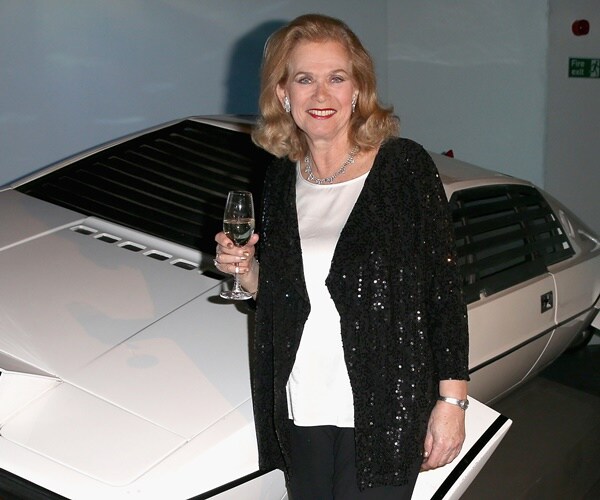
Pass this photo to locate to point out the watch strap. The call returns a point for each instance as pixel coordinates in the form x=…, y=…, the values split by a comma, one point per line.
x=461, y=403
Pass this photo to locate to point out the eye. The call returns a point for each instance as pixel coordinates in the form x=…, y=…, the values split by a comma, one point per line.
x=337, y=79
x=304, y=80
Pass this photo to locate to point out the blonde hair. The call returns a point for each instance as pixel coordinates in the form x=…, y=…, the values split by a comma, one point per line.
x=370, y=124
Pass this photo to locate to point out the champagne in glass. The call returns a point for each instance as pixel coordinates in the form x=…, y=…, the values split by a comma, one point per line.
x=239, y=230
x=238, y=225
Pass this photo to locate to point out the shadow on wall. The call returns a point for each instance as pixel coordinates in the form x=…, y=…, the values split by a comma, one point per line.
x=243, y=81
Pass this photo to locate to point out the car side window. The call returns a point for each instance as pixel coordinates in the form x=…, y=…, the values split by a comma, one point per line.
x=505, y=234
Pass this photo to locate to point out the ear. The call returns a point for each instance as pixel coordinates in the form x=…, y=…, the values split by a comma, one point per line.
x=280, y=93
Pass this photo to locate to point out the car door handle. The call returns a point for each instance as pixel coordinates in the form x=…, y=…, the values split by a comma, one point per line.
x=547, y=301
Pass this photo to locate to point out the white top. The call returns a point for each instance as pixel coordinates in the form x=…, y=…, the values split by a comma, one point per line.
x=318, y=390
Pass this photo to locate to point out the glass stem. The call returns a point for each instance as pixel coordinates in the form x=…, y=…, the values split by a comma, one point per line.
x=236, y=279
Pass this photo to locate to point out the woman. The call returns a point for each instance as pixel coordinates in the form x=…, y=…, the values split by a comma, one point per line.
x=361, y=325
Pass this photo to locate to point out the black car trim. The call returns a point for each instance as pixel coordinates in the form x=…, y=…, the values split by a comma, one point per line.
x=230, y=485
x=528, y=341
x=469, y=457
x=13, y=487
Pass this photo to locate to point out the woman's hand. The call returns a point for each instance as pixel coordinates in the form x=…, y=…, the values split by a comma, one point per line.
x=228, y=255
x=445, y=435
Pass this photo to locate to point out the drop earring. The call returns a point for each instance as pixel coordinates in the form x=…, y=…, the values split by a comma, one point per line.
x=354, y=99
x=286, y=104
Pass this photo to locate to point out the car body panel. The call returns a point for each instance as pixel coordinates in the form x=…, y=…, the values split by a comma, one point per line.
x=84, y=332
x=23, y=217
x=568, y=305
x=206, y=367
x=206, y=463
x=562, y=338
x=508, y=371
x=19, y=389
x=521, y=325
x=83, y=304
x=65, y=415
x=457, y=175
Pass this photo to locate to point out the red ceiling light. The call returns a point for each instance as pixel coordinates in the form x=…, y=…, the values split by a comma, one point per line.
x=581, y=27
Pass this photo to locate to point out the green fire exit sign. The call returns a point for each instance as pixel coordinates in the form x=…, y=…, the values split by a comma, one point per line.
x=584, y=68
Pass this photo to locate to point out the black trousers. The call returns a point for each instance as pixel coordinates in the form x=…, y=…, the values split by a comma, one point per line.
x=323, y=467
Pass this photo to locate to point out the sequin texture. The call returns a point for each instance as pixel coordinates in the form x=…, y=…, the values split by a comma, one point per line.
x=394, y=281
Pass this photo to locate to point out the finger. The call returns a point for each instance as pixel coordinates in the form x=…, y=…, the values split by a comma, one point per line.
x=248, y=249
x=428, y=444
x=439, y=456
x=237, y=254
x=253, y=240
x=224, y=252
x=427, y=447
x=224, y=258
x=432, y=462
x=222, y=239
x=232, y=264
x=426, y=454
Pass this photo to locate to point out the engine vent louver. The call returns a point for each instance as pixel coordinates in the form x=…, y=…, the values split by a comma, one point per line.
x=171, y=183
x=505, y=234
x=135, y=247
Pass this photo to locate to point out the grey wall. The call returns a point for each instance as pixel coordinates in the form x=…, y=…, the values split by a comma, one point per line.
x=469, y=76
x=573, y=120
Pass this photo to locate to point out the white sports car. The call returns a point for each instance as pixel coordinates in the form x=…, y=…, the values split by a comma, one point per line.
x=123, y=375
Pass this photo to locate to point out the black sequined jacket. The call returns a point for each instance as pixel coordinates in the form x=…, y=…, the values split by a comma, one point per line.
x=395, y=283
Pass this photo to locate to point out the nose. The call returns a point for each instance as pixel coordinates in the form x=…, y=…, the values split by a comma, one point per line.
x=320, y=92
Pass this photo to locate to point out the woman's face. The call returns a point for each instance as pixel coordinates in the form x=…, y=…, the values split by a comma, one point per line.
x=320, y=89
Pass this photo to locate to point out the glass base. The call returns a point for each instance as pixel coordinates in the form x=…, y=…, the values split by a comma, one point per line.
x=235, y=295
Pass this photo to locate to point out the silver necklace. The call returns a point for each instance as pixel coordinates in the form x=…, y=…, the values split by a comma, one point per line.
x=310, y=177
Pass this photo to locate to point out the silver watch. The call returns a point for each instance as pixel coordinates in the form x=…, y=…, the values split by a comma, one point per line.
x=461, y=403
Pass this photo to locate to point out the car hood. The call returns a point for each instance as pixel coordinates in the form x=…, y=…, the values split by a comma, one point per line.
x=91, y=332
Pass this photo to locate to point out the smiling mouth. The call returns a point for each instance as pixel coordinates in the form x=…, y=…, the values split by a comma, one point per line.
x=321, y=113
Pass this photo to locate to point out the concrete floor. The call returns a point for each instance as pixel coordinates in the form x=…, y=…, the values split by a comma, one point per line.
x=552, y=450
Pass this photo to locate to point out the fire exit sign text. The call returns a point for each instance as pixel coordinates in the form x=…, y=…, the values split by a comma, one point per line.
x=584, y=68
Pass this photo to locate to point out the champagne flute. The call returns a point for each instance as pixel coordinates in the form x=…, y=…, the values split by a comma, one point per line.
x=238, y=225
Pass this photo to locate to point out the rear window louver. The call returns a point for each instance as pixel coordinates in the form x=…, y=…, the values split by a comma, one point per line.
x=171, y=183
x=505, y=235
